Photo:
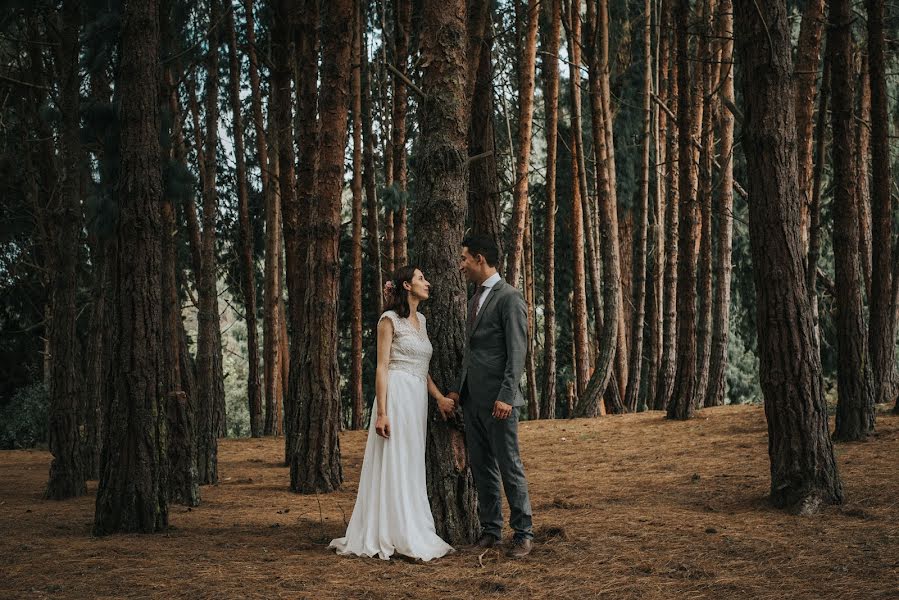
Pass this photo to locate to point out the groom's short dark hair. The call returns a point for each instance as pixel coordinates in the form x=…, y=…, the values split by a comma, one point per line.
x=483, y=245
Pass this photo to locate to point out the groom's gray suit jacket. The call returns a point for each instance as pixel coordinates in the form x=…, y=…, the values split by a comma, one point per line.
x=496, y=349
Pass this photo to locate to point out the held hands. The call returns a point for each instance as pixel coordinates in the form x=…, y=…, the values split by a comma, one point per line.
x=382, y=426
x=446, y=406
x=454, y=396
x=501, y=410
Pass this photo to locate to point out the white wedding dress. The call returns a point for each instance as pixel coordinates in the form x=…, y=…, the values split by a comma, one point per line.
x=392, y=513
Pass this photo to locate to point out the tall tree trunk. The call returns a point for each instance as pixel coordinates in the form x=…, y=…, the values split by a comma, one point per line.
x=581, y=340
x=655, y=311
x=855, y=404
x=611, y=342
x=275, y=339
x=315, y=449
x=526, y=67
x=67, y=476
x=368, y=166
x=483, y=188
x=356, y=186
x=808, y=57
x=706, y=162
x=530, y=299
x=550, y=67
x=294, y=197
x=803, y=469
x=862, y=175
x=714, y=395
x=274, y=342
x=132, y=494
x=184, y=484
x=882, y=332
x=210, y=377
x=635, y=370
x=247, y=264
x=402, y=33
x=668, y=366
x=814, y=235
x=682, y=401
x=441, y=197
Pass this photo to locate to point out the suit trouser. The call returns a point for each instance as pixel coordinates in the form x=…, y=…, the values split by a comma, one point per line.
x=493, y=450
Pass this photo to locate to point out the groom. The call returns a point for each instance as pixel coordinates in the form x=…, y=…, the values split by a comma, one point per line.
x=488, y=388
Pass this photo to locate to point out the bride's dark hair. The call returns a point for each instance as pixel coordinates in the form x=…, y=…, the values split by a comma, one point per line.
x=396, y=296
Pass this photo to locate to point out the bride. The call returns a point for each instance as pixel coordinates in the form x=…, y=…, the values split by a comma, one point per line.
x=392, y=513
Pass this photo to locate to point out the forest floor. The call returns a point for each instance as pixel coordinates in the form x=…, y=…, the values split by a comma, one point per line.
x=629, y=506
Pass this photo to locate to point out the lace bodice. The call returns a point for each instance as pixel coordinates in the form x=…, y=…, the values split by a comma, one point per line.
x=411, y=349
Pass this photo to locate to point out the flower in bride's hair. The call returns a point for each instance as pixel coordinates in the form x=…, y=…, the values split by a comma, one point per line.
x=388, y=288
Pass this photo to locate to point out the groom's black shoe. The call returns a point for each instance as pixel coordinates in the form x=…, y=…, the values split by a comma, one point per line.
x=521, y=547
x=487, y=540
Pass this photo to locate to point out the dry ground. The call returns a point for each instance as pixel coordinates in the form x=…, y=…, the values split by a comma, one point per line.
x=625, y=507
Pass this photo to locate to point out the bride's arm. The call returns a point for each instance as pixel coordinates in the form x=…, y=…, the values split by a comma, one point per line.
x=444, y=404
x=385, y=338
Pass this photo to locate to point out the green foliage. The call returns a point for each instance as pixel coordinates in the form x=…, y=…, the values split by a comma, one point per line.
x=23, y=421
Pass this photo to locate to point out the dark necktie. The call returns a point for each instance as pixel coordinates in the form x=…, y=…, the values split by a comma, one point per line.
x=473, y=308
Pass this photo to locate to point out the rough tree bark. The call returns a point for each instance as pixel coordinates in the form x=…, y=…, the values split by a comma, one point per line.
x=714, y=395
x=210, y=376
x=882, y=325
x=862, y=172
x=315, y=448
x=550, y=67
x=63, y=215
x=440, y=177
x=356, y=187
x=132, y=495
x=808, y=57
x=581, y=339
x=526, y=67
x=682, y=401
x=635, y=369
x=855, y=403
x=803, y=470
x=368, y=166
x=402, y=33
x=668, y=363
x=247, y=267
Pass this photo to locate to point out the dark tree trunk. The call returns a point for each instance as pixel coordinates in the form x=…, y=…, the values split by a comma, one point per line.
x=182, y=450
x=862, y=173
x=803, y=469
x=402, y=33
x=814, y=235
x=682, y=401
x=441, y=197
x=725, y=205
x=855, y=404
x=581, y=338
x=808, y=57
x=132, y=494
x=635, y=369
x=210, y=377
x=706, y=185
x=368, y=165
x=64, y=223
x=550, y=67
x=672, y=209
x=356, y=186
x=295, y=199
x=882, y=331
x=315, y=448
x=247, y=265
x=483, y=190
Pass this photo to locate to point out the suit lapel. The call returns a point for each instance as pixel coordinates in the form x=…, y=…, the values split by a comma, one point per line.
x=493, y=291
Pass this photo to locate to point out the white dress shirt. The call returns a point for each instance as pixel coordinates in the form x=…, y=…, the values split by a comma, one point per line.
x=488, y=285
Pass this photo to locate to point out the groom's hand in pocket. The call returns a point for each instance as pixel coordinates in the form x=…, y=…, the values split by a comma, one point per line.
x=501, y=410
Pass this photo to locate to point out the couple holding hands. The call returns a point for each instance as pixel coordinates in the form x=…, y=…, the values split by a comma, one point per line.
x=392, y=513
